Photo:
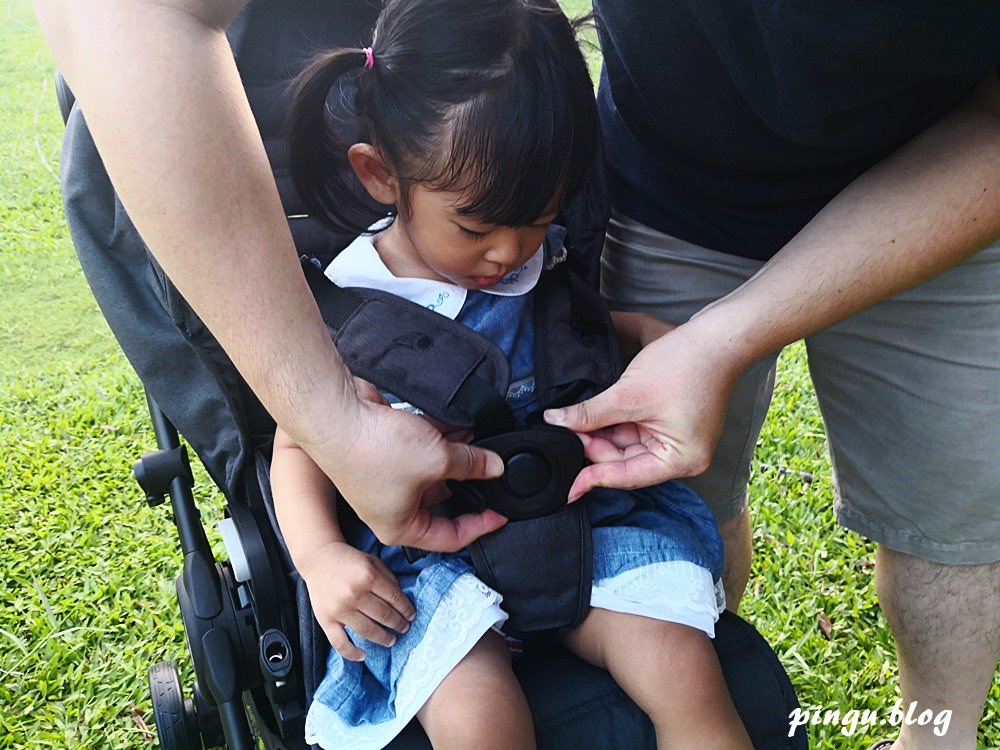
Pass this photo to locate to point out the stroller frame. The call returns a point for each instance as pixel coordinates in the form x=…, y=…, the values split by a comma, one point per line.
x=222, y=618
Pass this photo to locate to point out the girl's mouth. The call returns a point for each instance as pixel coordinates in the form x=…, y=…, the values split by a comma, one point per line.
x=484, y=281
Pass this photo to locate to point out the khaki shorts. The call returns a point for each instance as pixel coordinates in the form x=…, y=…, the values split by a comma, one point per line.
x=909, y=390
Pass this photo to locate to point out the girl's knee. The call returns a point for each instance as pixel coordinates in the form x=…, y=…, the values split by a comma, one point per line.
x=683, y=656
x=483, y=719
x=479, y=704
x=648, y=658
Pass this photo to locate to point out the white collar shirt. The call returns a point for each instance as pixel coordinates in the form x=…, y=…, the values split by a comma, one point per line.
x=359, y=265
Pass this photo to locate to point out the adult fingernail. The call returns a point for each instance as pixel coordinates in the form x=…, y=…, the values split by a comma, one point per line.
x=494, y=465
x=555, y=416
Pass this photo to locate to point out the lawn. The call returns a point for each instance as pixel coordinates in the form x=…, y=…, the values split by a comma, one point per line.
x=86, y=579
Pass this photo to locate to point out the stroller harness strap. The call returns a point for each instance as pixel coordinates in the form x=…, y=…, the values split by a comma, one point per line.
x=454, y=374
x=458, y=377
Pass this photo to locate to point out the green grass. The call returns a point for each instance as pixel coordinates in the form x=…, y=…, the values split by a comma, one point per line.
x=86, y=578
x=41, y=315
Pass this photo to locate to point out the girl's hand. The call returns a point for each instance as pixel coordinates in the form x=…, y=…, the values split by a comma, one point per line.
x=349, y=588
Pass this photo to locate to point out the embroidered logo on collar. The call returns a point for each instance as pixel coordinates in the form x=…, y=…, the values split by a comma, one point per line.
x=440, y=301
x=513, y=276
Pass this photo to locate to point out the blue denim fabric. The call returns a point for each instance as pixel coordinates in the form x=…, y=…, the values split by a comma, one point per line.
x=662, y=523
x=509, y=323
x=631, y=529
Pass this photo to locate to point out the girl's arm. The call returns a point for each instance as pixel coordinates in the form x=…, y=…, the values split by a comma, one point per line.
x=346, y=587
x=922, y=210
x=164, y=103
x=635, y=330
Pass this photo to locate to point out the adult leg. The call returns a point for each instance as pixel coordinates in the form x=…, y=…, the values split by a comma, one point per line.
x=479, y=704
x=737, y=537
x=670, y=671
x=910, y=392
x=650, y=272
x=946, y=621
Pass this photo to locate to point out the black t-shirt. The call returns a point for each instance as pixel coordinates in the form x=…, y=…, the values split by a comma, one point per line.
x=730, y=123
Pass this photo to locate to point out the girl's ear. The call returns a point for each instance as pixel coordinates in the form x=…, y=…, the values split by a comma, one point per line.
x=373, y=173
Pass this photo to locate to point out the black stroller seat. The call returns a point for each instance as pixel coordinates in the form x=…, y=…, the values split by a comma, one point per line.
x=257, y=651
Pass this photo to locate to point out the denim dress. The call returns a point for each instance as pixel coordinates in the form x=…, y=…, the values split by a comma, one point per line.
x=657, y=553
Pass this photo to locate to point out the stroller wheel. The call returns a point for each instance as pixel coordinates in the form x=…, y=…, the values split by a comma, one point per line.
x=176, y=724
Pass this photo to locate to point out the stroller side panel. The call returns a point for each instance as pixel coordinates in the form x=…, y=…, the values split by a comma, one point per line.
x=146, y=315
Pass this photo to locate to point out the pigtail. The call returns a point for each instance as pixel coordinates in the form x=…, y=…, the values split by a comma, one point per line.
x=490, y=98
x=318, y=161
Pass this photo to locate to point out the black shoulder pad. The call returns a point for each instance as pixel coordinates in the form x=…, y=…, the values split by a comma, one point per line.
x=438, y=365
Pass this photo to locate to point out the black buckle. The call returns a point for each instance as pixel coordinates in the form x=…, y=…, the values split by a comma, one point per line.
x=540, y=464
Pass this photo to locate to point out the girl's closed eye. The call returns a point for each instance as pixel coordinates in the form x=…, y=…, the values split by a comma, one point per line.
x=471, y=233
x=474, y=234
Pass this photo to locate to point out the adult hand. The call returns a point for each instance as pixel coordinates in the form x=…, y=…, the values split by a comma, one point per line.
x=394, y=467
x=160, y=88
x=887, y=232
x=661, y=420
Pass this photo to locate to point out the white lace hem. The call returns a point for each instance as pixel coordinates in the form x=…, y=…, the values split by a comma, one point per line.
x=467, y=610
x=676, y=591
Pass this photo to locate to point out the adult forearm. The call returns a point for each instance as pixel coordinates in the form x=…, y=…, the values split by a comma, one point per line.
x=161, y=93
x=163, y=100
x=924, y=209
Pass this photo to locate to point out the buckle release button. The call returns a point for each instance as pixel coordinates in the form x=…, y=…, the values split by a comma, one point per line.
x=526, y=474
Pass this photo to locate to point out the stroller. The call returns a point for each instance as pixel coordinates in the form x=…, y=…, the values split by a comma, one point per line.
x=257, y=652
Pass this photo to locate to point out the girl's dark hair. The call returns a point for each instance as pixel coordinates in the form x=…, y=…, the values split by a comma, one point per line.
x=488, y=97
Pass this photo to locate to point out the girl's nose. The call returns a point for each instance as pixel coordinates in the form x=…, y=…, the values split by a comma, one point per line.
x=506, y=249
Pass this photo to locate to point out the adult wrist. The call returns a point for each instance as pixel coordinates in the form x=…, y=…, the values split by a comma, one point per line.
x=737, y=339
x=313, y=398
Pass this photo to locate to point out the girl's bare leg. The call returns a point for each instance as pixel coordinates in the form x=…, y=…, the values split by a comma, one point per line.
x=671, y=672
x=479, y=704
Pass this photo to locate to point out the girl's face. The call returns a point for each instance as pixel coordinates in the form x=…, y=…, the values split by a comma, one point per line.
x=436, y=242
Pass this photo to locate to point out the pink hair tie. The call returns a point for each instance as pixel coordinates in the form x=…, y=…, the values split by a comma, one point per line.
x=369, y=58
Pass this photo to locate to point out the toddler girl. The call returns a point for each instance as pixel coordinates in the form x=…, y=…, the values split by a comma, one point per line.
x=476, y=125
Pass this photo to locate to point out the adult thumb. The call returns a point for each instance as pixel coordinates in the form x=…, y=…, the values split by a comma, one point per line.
x=470, y=462
x=603, y=410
